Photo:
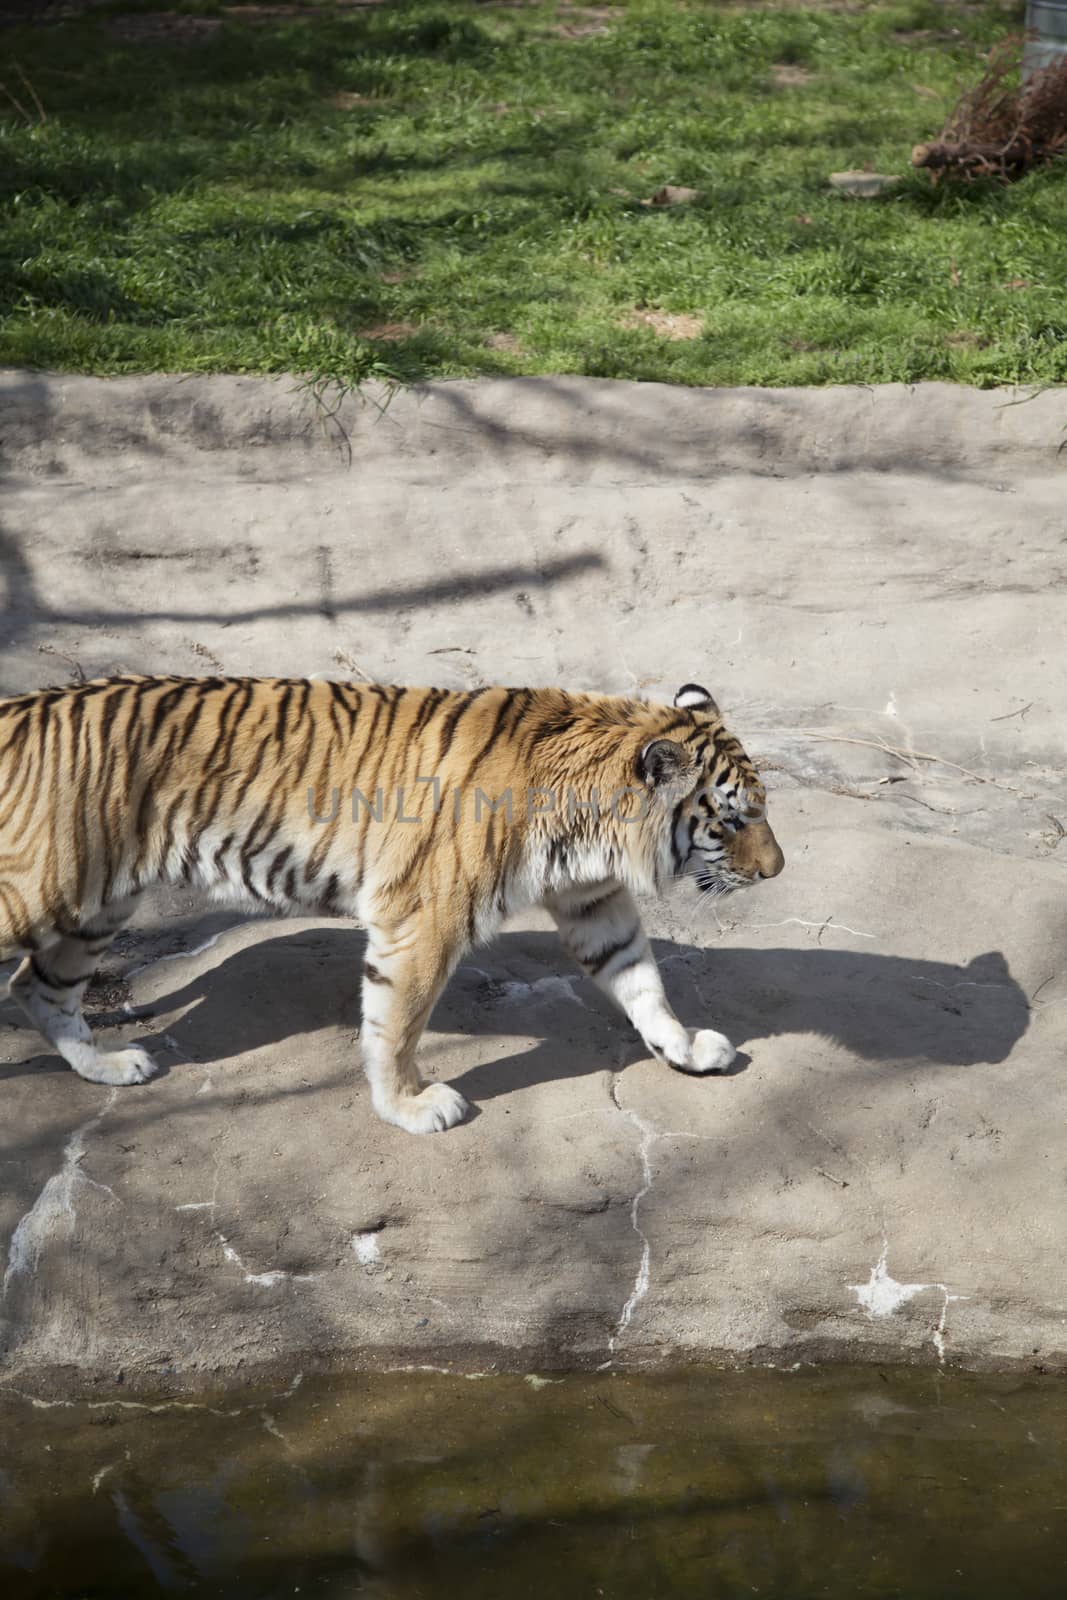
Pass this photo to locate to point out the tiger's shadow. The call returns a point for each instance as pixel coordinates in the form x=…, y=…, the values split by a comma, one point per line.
x=878, y=1007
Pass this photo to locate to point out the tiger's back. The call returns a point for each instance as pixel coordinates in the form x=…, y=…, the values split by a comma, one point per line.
x=114, y=785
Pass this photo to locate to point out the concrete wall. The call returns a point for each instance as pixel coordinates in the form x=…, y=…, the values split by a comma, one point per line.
x=872, y=583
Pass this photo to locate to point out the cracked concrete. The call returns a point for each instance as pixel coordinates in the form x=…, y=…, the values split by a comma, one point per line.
x=52, y=1215
x=644, y=1272
x=873, y=585
x=881, y=1295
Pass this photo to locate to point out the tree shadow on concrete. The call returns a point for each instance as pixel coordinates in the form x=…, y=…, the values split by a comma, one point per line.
x=893, y=1017
x=885, y=1009
x=900, y=1015
x=880, y=1008
x=25, y=613
x=699, y=434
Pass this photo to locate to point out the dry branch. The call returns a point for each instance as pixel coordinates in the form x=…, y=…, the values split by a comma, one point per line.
x=1001, y=128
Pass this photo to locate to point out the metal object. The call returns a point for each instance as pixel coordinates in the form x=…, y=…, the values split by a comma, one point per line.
x=1046, y=22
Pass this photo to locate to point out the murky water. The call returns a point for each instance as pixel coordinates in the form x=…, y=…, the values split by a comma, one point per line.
x=833, y=1483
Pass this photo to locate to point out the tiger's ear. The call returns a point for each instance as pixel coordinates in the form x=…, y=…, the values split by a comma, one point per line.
x=667, y=767
x=691, y=697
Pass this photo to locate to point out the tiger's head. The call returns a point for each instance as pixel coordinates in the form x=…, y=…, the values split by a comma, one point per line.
x=719, y=834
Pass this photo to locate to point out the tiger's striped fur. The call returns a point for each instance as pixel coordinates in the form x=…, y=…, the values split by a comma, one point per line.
x=359, y=799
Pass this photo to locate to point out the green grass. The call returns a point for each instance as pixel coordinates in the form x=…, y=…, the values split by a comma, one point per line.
x=213, y=205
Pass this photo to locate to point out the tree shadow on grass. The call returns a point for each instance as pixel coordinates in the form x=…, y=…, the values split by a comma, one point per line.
x=165, y=120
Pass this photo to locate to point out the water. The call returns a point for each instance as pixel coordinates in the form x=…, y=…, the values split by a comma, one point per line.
x=841, y=1482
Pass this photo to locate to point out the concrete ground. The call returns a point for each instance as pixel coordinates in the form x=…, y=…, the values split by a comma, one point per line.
x=872, y=582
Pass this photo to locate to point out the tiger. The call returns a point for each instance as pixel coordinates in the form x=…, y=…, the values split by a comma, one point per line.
x=426, y=815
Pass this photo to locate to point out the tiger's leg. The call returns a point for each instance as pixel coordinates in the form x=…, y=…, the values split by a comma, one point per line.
x=49, y=986
x=601, y=928
x=404, y=971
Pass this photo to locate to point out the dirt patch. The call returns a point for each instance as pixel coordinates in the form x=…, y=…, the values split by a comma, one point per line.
x=674, y=325
x=108, y=1000
x=348, y=100
x=174, y=27
x=585, y=22
x=926, y=35
x=860, y=184
x=506, y=342
x=39, y=13
x=163, y=27
x=788, y=75
x=672, y=194
x=967, y=339
x=303, y=13
x=849, y=8
x=389, y=332
x=263, y=13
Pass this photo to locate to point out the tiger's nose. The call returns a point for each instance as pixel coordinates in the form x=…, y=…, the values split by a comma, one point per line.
x=760, y=851
x=771, y=859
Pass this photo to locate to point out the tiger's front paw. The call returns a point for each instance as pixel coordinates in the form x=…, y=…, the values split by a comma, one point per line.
x=711, y=1052
x=117, y=1067
x=698, y=1053
x=432, y=1110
